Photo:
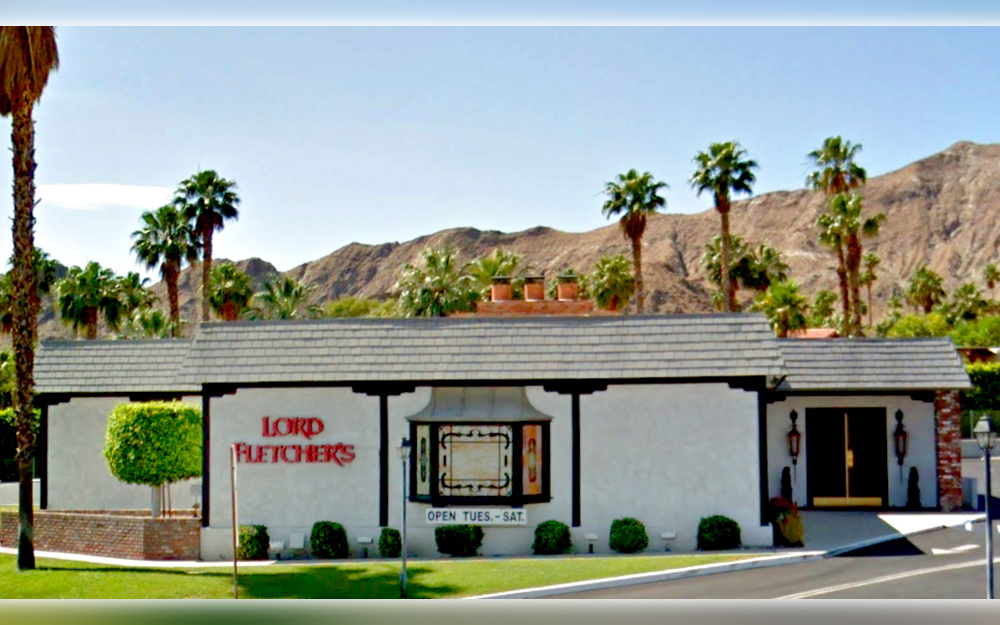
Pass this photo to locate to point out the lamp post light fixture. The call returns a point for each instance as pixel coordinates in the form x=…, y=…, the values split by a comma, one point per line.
x=794, y=440
x=900, y=438
x=986, y=436
x=404, y=456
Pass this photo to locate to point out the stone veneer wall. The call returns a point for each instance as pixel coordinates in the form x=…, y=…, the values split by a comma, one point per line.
x=110, y=533
x=948, y=434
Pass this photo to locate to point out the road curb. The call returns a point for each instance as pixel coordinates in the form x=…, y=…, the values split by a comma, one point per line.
x=657, y=576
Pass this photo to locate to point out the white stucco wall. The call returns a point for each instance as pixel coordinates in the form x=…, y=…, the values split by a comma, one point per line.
x=919, y=423
x=78, y=475
x=666, y=454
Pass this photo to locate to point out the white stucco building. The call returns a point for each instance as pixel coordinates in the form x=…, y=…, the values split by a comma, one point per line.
x=584, y=420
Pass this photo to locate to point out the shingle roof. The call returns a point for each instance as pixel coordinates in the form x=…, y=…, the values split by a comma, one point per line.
x=111, y=367
x=454, y=349
x=872, y=364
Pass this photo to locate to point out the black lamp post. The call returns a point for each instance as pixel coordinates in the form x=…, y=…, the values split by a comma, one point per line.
x=900, y=438
x=404, y=456
x=986, y=436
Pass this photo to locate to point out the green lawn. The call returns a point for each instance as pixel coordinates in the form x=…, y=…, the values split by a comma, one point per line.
x=59, y=579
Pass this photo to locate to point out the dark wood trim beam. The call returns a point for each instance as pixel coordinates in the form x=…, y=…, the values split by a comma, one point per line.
x=575, y=433
x=42, y=456
x=206, y=466
x=387, y=389
x=383, y=461
x=762, y=456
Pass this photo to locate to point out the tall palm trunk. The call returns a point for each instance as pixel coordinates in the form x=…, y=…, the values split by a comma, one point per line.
x=170, y=274
x=640, y=295
x=206, y=268
x=25, y=319
x=845, y=298
x=853, y=273
x=869, y=285
x=91, y=317
x=727, y=284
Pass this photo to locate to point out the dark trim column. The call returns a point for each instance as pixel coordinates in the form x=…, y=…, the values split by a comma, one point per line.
x=575, y=433
x=206, y=449
x=762, y=450
x=42, y=456
x=383, y=461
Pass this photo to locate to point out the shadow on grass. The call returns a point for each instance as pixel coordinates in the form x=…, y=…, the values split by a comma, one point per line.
x=312, y=582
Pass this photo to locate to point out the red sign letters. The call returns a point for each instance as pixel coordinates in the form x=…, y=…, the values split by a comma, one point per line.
x=308, y=427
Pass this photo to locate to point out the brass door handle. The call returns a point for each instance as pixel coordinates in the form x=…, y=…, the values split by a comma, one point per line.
x=850, y=458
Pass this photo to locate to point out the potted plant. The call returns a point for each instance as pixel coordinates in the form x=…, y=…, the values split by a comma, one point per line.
x=786, y=522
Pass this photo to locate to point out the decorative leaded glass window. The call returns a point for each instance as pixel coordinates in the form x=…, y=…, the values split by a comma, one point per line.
x=490, y=463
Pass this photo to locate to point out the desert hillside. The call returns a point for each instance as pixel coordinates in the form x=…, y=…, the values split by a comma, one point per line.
x=943, y=210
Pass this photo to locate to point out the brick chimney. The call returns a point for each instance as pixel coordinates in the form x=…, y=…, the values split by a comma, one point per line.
x=534, y=288
x=500, y=289
x=568, y=288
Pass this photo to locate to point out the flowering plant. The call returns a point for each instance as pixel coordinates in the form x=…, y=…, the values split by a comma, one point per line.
x=787, y=522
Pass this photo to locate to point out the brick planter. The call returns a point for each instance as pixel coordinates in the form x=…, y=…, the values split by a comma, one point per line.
x=948, y=435
x=130, y=534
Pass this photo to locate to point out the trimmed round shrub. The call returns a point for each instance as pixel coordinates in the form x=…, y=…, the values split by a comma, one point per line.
x=628, y=535
x=253, y=543
x=329, y=541
x=718, y=532
x=458, y=540
x=390, y=545
x=551, y=538
x=154, y=443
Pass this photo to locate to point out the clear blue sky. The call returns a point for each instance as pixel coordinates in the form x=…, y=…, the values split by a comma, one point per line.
x=337, y=135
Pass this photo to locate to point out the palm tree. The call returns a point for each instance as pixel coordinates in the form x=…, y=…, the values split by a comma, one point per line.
x=925, y=290
x=723, y=171
x=822, y=308
x=612, y=283
x=835, y=172
x=834, y=168
x=85, y=294
x=499, y=263
x=967, y=303
x=868, y=278
x=133, y=294
x=209, y=201
x=230, y=291
x=739, y=266
x=847, y=208
x=46, y=270
x=437, y=288
x=634, y=197
x=766, y=267
x=784, y=306
x=166, y=240
x=28, y=54
x=991, y=276
x=284, y=298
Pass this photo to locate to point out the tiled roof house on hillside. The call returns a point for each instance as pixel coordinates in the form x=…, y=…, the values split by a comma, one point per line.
x=581, y=419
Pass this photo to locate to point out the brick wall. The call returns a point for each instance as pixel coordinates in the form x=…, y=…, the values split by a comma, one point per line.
x=110, y=533
x=948, y=434
x=537, y=307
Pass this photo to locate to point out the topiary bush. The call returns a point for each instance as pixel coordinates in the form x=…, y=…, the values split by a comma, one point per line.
x=458, y=540
x=718, y=532
x=628, y=535
x=329, y=541
x=154, y=443
x=551, y=538
x=390, y=545
x=253, y=543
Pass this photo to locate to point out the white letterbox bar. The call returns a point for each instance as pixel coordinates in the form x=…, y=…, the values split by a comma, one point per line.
x=476, y=516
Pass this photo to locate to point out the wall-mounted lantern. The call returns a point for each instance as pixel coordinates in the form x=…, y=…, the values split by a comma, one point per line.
x=794, y=439
x=900, y=438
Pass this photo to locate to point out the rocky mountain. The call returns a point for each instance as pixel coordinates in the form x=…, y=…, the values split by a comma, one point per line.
x=943, y=210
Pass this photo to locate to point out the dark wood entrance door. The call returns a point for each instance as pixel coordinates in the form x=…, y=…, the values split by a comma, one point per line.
x=846, y=457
